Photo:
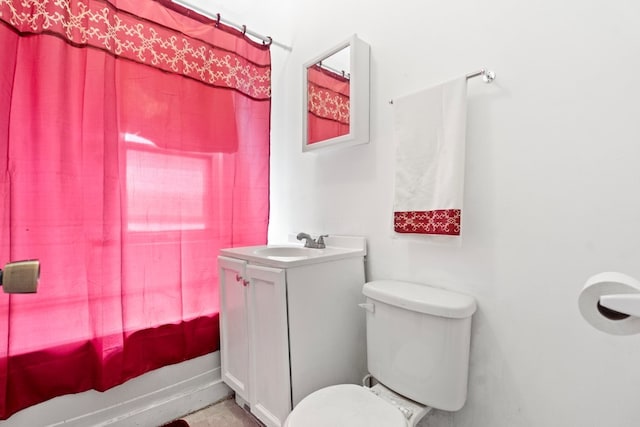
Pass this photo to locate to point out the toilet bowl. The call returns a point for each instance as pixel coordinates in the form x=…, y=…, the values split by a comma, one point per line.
x=418, y=340
x=356, y=406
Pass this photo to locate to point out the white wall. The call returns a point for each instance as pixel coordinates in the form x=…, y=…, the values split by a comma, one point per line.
x=552, y=186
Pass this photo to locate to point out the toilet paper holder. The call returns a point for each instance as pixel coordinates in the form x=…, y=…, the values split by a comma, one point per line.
x=20, y=277
x=610, y=302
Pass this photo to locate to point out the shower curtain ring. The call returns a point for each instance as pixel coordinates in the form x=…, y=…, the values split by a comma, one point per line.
x=217, y=20
x=244, y=30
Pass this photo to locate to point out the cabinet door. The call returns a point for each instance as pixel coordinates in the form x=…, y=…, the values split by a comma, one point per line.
x=234, y=333
x=270, y=393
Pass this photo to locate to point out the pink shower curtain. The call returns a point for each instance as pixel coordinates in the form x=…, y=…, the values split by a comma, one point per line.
x=328, y=114
x=134, y=144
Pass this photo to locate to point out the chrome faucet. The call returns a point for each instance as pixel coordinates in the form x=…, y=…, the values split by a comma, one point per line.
x=310, y=242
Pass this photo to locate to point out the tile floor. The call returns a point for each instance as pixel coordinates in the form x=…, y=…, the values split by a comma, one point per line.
x=223, y=414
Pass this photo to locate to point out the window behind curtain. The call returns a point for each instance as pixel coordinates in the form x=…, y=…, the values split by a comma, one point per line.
x=168, y=191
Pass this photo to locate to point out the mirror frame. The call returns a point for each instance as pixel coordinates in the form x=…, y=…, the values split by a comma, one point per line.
x=358, y=96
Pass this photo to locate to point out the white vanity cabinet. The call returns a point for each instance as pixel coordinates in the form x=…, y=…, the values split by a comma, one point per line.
x=288, y=329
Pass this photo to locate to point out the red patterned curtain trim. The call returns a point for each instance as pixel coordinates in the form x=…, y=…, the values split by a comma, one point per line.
x=99, y=24
x=441, y=221
x=331, y=104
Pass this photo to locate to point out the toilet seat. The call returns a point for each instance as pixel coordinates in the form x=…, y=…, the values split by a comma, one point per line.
x=345, y=405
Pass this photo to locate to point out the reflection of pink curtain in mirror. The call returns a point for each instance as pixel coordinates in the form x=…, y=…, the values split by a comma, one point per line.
x=134, y=145
x=328, y=104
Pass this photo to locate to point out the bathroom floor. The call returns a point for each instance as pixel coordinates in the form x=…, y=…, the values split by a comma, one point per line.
x=223, y=414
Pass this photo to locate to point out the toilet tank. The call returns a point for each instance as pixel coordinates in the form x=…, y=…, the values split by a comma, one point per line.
x=418, y=341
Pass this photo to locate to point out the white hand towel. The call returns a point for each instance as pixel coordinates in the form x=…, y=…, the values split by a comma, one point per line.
x=429, y=130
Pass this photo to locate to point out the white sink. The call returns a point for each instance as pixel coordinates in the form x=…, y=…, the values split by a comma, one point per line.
x=287, y=251
x=293, y=255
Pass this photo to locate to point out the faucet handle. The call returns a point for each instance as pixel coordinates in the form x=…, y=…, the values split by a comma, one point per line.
x=320, y=239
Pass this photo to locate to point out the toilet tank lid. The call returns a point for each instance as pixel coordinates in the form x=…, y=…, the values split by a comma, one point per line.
x=421, y=298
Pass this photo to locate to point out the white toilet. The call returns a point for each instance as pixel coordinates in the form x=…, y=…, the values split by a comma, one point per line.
x=418, y=353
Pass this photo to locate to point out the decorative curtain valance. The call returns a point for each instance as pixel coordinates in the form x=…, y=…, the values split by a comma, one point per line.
x=102, y=25
x=328, y=94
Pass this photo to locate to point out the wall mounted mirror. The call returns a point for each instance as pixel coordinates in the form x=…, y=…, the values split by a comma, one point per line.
x=336, y=97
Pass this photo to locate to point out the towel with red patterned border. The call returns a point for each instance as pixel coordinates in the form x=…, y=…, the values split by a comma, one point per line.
x=429, y=131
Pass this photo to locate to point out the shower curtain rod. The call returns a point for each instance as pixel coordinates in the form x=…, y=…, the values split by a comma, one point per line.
x=243, y=28
x=487, y=75
x=342, y=73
